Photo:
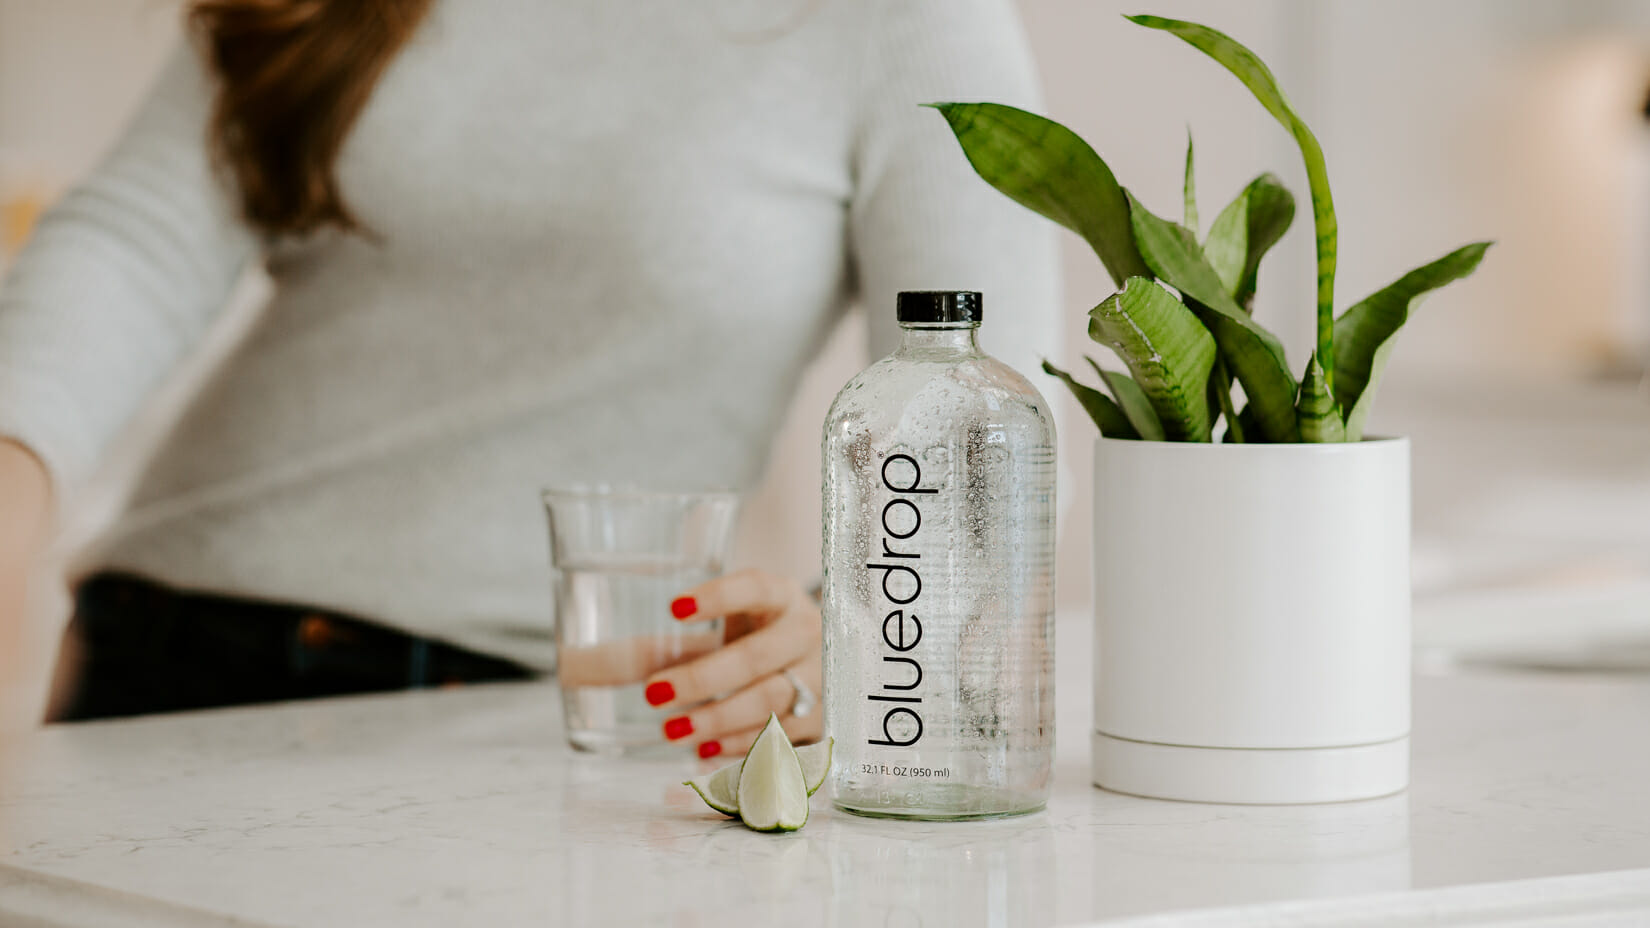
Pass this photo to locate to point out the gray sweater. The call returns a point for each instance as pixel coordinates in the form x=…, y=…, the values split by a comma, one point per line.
x=608, y=236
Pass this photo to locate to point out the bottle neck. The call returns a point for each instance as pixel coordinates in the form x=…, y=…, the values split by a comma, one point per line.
x=935, y=339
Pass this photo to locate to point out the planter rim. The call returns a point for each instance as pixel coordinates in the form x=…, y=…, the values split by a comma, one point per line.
x=1369, y=444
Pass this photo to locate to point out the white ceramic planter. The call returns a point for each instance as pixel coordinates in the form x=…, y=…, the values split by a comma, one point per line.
x=1252, y=608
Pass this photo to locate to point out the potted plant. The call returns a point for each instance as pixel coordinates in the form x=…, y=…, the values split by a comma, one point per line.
x=1252, y=593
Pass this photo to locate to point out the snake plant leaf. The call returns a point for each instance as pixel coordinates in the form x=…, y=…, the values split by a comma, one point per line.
x=1105, y=413
x=1244, y=231
x=1167, y=350
x=1254, y=355
x=1133, y=400
x=1246, y=424
x=1367, y=331
x=1254, y=74
x=1220, y=401
x=1048, y=169
x=1189, y=190
x=1320, y=418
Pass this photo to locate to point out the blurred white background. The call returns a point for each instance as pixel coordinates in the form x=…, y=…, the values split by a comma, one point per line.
x=1444, y=121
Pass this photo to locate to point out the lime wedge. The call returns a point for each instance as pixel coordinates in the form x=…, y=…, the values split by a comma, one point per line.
x=773, y=796
x=720, y=789
x=816, y=763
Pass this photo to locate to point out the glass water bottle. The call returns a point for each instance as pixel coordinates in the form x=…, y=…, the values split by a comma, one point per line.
x=939, y=577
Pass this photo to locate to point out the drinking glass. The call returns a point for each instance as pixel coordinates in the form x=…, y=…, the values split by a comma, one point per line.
x=619, y=556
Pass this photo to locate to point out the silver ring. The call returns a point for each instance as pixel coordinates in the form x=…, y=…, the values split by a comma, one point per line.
x=803, y=705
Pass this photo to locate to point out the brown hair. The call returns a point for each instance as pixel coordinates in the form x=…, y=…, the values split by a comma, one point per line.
x=293, y=75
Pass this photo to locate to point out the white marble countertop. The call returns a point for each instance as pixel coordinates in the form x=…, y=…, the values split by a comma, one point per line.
x=464, y=807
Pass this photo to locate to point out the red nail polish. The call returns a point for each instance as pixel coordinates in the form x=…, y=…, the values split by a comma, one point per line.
x=683, y=606
x=659, y=693
x=709, y=749
x=678, y=728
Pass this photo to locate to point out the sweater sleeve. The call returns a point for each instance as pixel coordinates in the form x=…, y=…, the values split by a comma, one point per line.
x=920, y=218
x=118, y=281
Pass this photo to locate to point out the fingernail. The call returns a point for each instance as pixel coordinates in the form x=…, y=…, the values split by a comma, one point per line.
x=683, y=606
x=709, y=749
x=660, y=693
x=678, y=728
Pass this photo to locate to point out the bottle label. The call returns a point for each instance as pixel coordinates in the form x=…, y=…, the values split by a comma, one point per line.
x=899, y=698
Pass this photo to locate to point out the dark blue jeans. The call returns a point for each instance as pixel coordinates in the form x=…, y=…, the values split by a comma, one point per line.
x=135, y=647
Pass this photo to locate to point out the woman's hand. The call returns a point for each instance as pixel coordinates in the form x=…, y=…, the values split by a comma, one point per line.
x=772, y=625
x=25, y=507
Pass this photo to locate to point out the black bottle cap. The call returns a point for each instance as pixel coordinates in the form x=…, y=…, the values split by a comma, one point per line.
x=942, y=306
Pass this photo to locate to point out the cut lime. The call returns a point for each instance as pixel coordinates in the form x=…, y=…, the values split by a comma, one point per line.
x=719, y=790
x=773, y=796
x=816, y=763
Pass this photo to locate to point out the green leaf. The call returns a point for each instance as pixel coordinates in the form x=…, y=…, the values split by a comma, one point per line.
x=1105, y=413
x=1048, y=169
x=1166, y=348
x=1172, y=253
x=1254, y=355
x=1189, y=189
x=1244, y=231
x=1366, y=332
x=1133, y=400
x=1220, y=398
x=1254, y=74
x=1245, y=423
x=1320, y=417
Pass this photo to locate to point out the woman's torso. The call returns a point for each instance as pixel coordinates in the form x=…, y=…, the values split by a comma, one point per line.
x=605, y=238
